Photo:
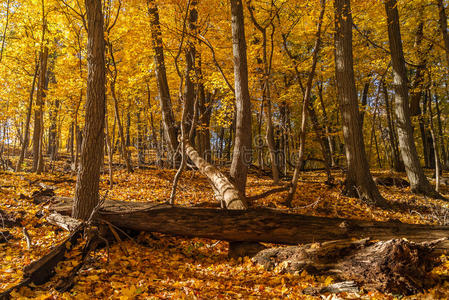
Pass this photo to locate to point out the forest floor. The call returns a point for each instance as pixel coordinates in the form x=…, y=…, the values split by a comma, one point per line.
x=164, y=267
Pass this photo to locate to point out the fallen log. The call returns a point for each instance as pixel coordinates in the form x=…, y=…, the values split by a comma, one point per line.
x=396, y=266
x=391, y=181
x=40, y=271
x=251, y=225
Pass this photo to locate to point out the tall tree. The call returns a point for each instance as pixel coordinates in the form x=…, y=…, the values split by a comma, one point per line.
x=415, y=173
x=168, y=118
x=266, y=93
x=241, y=157
x=359, y=182
x=38, y=159
x=87, y=183
x=307, y=108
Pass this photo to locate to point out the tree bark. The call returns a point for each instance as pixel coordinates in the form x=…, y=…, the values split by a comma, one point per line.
x=225, y=191
x=38, y=161
x=435, y=144
x=415, y=173
x=443, y=27
x=241, y=157
x=26, y=135
x=359, y=182
x=168, y=118
x=266, y=93
x=381, y=265
x=397, y=162
x=252, y=225
x=87, y=184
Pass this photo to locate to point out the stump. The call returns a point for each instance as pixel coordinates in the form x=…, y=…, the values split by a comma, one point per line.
x=394, y=266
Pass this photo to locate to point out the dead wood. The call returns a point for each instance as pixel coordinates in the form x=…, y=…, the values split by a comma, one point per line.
x=395, y=266
x=5, y=236
x=268, y=193
x=391, y=181
x=40, y=271
x=9, y=219
x=251, y=225
x=65, y=222
x=43, y=195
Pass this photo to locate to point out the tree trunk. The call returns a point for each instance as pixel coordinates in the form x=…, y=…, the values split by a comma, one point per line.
x=435, y=144
x=168, y=118
x=123, y=143
x=225, y=191
x=38, y=161
x=330, y=139
x=253, y=225
x=443, y=27
x=359, y=182
x=53, y=131
x=306, y=108
x=364, y=101
x=241, y=157
x=87, y=184
x=415, y=173
x=26, y=135
x=266, y=93
x=397, y=162
x=110, y=155
x=140, y=137
x=123, y=148
x=440, y=134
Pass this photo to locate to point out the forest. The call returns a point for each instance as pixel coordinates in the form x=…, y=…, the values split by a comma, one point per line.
x=230, y=149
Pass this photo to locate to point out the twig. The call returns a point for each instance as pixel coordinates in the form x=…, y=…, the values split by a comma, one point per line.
x=27, y=238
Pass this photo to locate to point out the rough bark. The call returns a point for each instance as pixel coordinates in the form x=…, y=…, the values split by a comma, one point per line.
x=168, y=118
x=359, y=182
x=396, y=266
x=39, y=113
x=443, y=27
x=87, y=184
x=251, y=225
x=415, y=173
x=241, y=157
x=53, y=131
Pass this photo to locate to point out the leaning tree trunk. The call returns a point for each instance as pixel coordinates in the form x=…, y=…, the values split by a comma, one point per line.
x=225, y=191
x=87, y=183
x=415, y=173
x=26, y=135
x=241, y=157
x=359, y=182
x=306, y=107
x=168, y=118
